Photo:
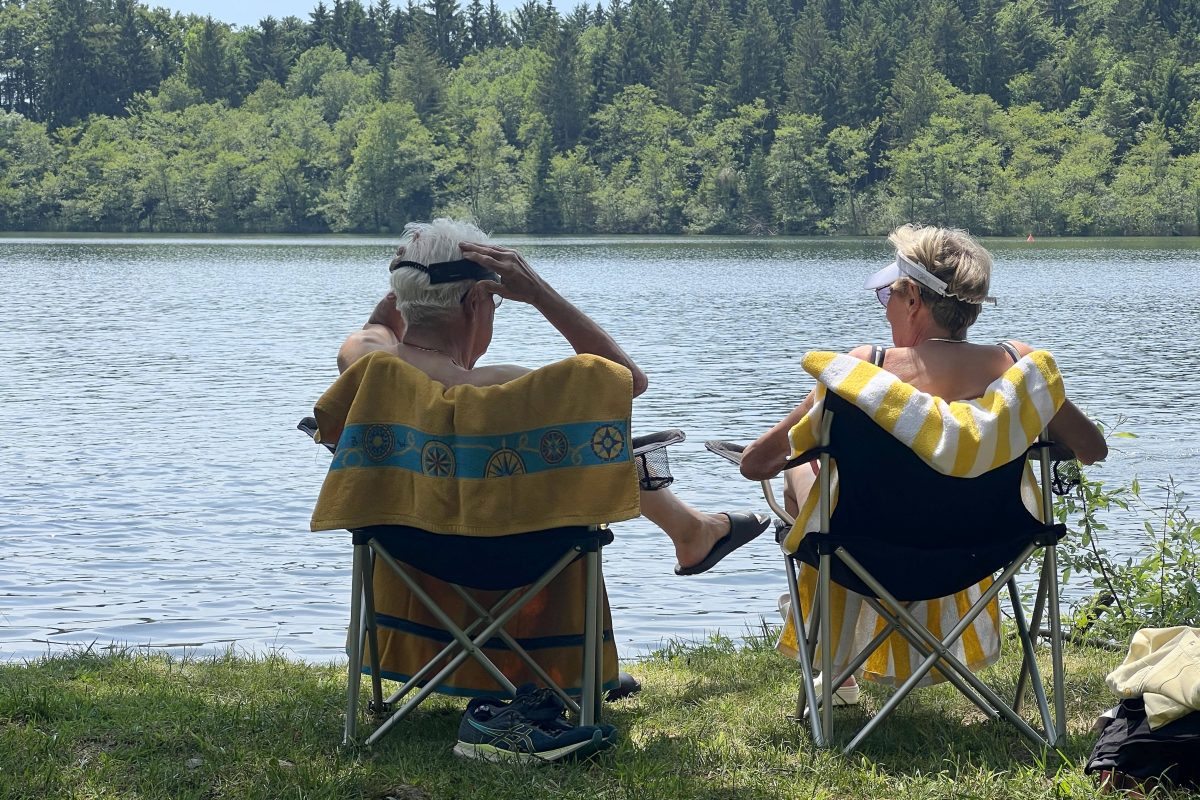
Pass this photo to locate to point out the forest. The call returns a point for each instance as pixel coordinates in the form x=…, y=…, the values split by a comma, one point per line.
x=788, y=117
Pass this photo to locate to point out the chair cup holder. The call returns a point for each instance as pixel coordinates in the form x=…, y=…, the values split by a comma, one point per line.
x=650, y=458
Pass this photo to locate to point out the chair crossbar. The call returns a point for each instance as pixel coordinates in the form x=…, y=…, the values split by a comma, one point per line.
x=466, y=642
x=487, y=615
x=941, y=656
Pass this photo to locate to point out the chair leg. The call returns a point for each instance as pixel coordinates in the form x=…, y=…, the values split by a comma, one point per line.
x=802, y=647
x=372, y=632
x=591, y=630
x=825, y=637
x=1029, y=662
x=1060, y=700
x=354, y=669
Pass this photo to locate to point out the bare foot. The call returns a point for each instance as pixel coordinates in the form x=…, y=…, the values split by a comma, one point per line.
x=691, y=547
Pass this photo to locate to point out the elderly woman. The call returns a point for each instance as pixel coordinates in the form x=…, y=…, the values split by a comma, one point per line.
x=932, y=294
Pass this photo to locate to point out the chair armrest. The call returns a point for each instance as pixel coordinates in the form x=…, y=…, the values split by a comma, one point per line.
x=1055, y=451
x=654, y=441
x=309, y=426
x=730, y=451
x=733, y=452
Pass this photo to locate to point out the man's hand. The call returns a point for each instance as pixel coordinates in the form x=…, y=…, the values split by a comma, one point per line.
x=518, y=280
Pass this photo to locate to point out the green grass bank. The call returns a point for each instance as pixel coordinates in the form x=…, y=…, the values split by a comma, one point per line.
x=711, y=722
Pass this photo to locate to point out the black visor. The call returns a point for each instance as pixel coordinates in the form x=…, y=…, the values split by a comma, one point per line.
x=451, y=271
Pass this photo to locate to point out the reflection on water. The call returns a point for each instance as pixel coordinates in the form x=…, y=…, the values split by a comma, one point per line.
x=156, y=493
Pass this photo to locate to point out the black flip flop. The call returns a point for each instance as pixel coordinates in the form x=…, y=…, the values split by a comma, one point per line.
x=743, y=527
x=627, y=686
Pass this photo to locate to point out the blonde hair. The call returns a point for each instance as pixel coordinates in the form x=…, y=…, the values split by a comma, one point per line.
x=430, y=243
x=953, y=256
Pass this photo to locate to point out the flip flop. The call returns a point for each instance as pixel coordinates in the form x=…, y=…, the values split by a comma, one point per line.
x=743, y=526
x=627, y=686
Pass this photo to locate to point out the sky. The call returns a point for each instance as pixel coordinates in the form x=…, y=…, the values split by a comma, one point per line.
x=244, y=13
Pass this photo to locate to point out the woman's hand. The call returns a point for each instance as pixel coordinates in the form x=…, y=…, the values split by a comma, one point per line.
x=518, y=280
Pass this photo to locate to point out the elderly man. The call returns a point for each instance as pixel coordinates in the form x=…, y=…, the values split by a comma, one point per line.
x=447, y=282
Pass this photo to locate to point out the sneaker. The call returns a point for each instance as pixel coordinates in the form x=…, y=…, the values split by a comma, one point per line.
x=843, y=696
x=493, y=730
x=546, y=707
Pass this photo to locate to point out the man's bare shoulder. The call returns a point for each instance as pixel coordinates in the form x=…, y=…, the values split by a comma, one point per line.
x=371, y=338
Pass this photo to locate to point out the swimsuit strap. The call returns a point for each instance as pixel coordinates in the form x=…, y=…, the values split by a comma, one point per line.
x=1012, y=351
x=877, y=355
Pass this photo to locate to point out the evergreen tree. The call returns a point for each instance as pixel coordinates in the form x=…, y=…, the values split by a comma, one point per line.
x=418, y=78
x=66, y=76
x=672, y=84
x=813, y=73
x=476, y=27
x=709, y=31
x=207, y=66
x=754, y=69
x=560, y=95
x=497, y=28
x=320, y=26
x=134, y=67
x=543, y=216
x=641, y=43
x=20, y=78
x=444, y=31
x=266, y=58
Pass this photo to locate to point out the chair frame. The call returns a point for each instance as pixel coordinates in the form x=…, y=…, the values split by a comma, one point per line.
x=466, y=641
x=935, y=650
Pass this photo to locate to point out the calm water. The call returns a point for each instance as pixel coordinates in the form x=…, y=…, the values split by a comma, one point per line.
x=154, y=491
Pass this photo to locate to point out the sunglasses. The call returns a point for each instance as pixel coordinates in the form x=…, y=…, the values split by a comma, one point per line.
x=883, y=294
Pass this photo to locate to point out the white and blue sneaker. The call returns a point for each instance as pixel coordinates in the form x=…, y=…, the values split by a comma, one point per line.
x=527, y=730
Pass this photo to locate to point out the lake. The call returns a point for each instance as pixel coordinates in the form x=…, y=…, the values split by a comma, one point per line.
x=156, y=493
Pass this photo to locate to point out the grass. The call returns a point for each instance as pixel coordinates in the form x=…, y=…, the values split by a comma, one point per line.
x=710, y=723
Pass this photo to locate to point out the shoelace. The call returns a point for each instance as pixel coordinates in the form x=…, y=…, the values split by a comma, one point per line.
x=543, y=708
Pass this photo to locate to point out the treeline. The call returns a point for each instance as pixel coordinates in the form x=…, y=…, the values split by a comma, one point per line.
x=705, y=116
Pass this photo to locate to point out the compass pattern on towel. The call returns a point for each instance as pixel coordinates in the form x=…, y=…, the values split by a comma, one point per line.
x=489, y=457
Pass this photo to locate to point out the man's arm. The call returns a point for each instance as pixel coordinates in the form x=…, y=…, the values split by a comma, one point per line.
x=521, y=283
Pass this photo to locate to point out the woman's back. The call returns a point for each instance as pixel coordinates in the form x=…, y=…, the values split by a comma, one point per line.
x=951, y=370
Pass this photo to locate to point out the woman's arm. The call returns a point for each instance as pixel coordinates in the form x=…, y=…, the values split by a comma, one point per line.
x=1072, y=428
x=765, y=457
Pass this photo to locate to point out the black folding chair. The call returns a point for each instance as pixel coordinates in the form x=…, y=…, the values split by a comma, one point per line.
x=518, y=565
x=903, y=532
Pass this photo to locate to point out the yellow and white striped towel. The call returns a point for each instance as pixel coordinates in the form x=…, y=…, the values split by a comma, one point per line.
x=961, y=438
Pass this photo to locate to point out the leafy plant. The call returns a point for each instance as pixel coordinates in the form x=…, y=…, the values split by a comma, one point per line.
x=1158, y=588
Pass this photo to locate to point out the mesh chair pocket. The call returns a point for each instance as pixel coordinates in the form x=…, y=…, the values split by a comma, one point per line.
x=650, y=457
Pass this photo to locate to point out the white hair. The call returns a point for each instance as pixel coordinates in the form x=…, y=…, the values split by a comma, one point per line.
x=430, y=243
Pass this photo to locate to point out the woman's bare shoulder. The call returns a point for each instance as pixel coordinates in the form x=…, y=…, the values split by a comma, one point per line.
x=1022, y=348
x=862, y=352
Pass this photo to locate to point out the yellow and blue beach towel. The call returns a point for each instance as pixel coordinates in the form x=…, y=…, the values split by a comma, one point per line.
x=548, y=449
x=962, y=438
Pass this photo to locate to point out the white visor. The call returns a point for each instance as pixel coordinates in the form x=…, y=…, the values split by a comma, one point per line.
x=906, y=267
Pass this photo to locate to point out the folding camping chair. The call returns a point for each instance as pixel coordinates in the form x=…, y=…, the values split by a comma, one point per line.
x=517, y=567
x=903, y=532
